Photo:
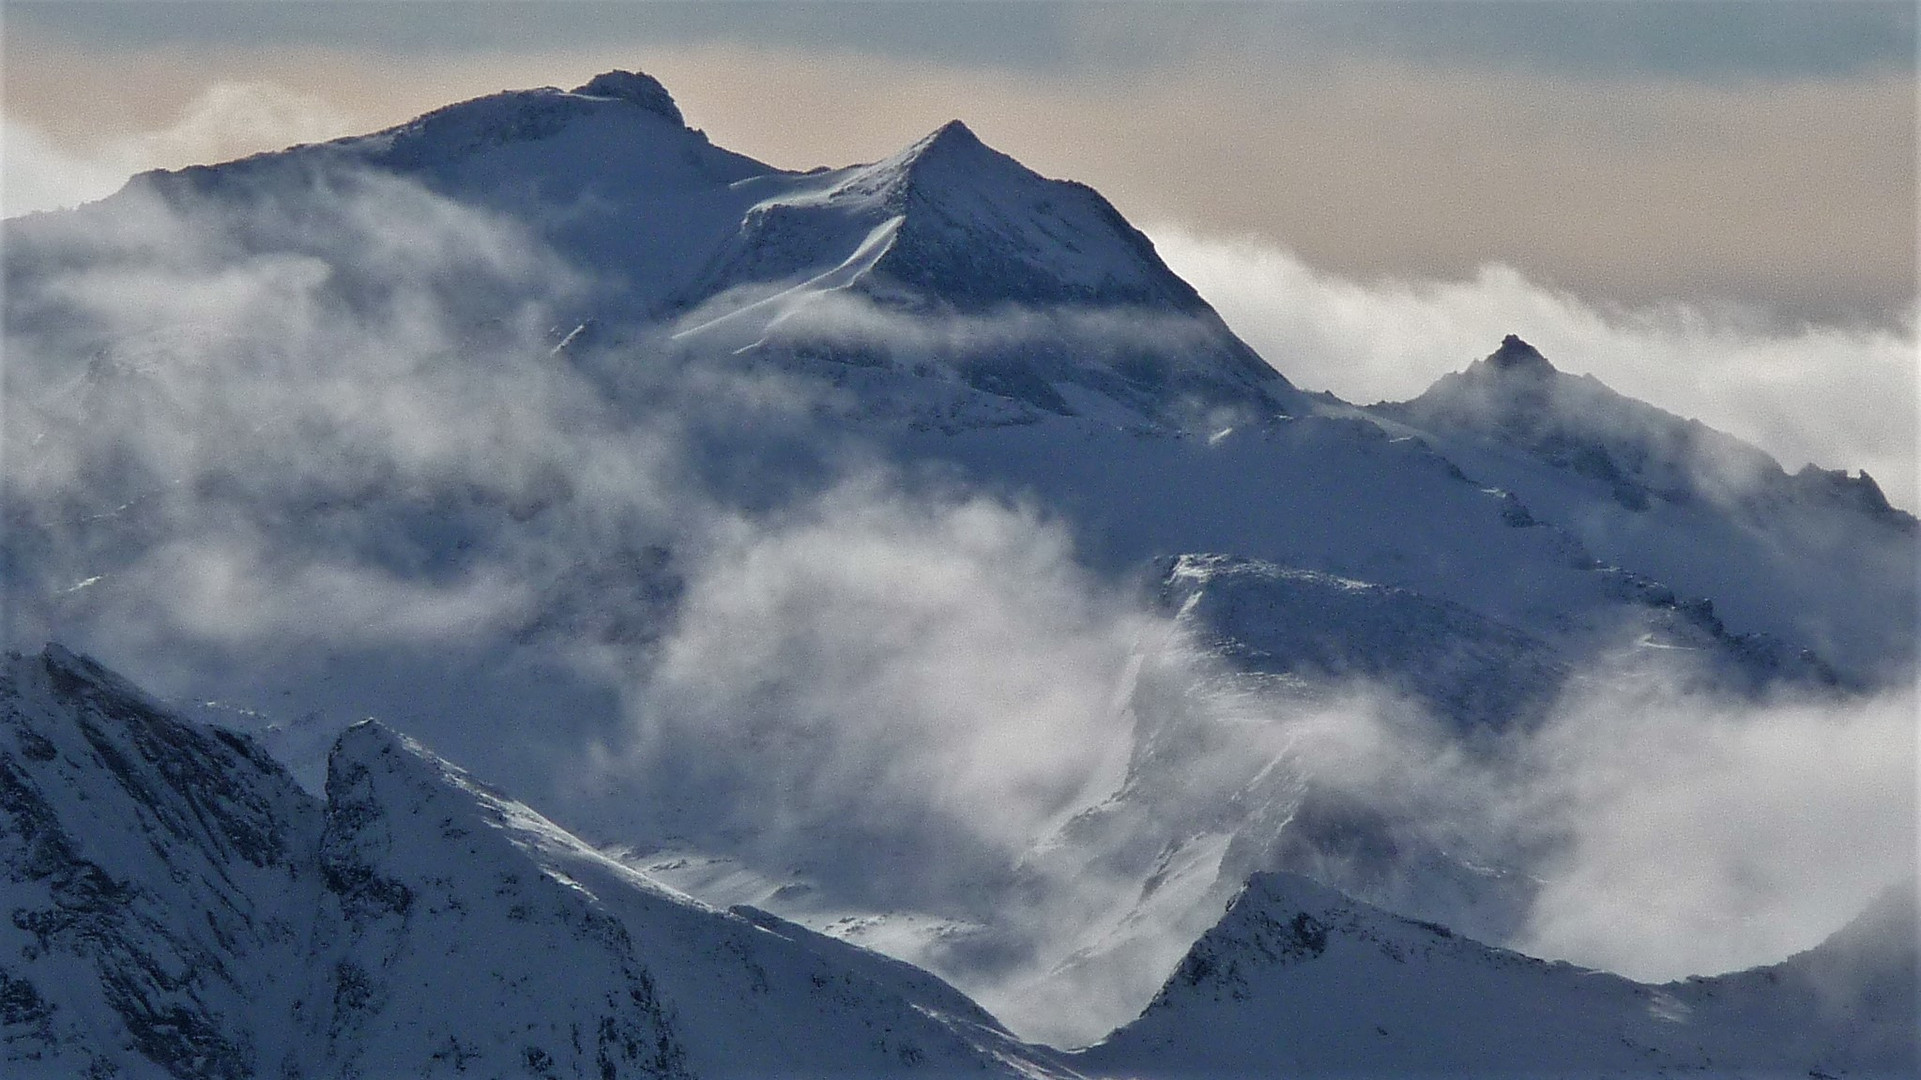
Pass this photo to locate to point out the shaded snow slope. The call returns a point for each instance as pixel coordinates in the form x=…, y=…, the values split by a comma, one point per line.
x=1297, y=979
x=1308, y=624
x=555, y=945
x=952, y=257
x=1335, y=495
x=607, y=173
x=976, y=231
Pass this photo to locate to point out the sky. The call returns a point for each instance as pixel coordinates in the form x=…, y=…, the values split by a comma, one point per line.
x=1711, y=206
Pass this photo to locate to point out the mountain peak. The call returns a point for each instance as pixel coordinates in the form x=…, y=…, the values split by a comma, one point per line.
x=954, y=134
x=1517, y=355
x=954, y=152
x=635, y=87
x=365, y=738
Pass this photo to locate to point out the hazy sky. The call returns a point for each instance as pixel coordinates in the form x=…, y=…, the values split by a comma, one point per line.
x=1724, y=172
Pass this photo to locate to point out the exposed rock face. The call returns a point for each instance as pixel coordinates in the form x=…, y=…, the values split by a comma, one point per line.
x=158, y=883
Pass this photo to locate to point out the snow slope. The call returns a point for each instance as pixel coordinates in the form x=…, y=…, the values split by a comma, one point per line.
x=1297, y=979
x=1007, y=266
x=607, y=172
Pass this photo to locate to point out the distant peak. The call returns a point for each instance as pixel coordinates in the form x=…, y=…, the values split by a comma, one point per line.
x=635, y=87
x=1517, y=355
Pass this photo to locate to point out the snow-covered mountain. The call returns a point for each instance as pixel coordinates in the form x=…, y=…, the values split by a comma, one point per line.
x=1816, y=558
x=745, y=256
x=1299, y=980
x=595, y=455
x=179, y=907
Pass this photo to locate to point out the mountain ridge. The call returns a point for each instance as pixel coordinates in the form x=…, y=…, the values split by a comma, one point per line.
x=420, y=882
x=1768, y=546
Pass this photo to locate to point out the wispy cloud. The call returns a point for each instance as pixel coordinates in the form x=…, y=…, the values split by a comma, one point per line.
x=1704, y=834
x=225, y=120
x=900, y=690
x=902, y=700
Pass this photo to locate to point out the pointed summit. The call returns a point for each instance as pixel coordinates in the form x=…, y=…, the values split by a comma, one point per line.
x=953, y=135
x=1517, y=355
x=952, y=154
x=635, y=87
x=365, y=739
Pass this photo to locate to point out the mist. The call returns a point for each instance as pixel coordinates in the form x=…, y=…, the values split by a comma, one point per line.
x=901, y=691
x=1703, y=834
x=924, y=704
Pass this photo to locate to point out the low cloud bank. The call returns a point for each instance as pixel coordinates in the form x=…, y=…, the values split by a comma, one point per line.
x=918, y=701
x=904, y=700
x=1668, y=829
x=1842, y=397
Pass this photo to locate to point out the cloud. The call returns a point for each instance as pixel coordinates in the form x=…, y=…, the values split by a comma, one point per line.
x=1839, y=396
x=1668, y=827
x=248, y=425
x=43, y=176
x=922, y=703
x=1703, y=834
x=901, y=690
